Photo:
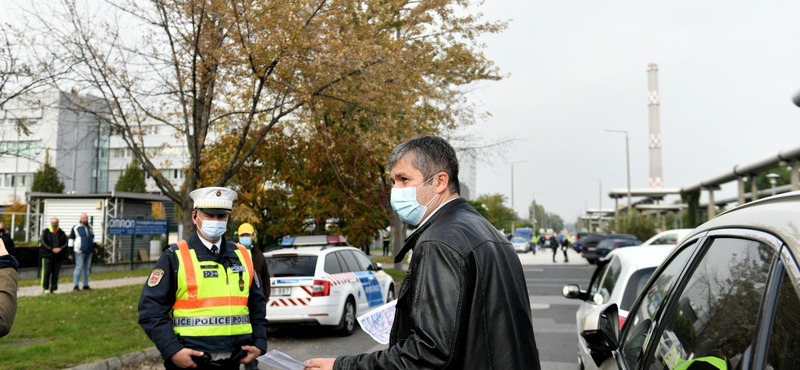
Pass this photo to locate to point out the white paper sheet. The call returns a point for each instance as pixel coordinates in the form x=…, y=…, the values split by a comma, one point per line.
x=378, y=322
x=281, y=360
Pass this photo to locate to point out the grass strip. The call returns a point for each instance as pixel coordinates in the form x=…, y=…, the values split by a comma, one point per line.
x=66, y=330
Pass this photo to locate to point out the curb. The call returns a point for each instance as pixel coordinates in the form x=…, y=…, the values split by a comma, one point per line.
x=116, y=363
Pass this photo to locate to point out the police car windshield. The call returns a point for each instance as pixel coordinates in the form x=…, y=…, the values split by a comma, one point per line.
x=281, y=266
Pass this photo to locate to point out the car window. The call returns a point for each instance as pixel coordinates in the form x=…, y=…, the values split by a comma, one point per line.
x=666, y=239
x=610, y=280
x=635, y=285
x=784, y=341
x=349, y=261
x=595, y=285
x=715, y=317
x=332, y=264
x=639, y=323
x=280, y=266
x=364, y=261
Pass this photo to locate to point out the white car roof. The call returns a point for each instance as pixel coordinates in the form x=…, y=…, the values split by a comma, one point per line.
x=642, y=257
x=307, y=251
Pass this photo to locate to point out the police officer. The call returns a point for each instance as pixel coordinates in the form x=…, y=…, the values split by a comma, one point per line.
x=202, y=306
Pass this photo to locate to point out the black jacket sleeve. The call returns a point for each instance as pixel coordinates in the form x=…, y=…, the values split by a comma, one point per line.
x=156, y=302
x=437, y=291
x=45, y=240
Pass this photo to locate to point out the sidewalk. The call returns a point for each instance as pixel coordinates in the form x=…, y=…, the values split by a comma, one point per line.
x=33, y=291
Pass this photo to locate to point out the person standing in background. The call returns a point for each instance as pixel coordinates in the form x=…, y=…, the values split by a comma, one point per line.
x=54, y=249
x=247, y=237
x=81, y=239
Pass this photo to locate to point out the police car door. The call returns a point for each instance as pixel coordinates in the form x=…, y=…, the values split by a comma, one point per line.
x=358, y=290
x=370, y=282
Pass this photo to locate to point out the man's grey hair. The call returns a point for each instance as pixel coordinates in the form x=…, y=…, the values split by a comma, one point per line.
x=432, y=155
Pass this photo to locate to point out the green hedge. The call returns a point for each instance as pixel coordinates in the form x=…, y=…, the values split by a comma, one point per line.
x=28, y=255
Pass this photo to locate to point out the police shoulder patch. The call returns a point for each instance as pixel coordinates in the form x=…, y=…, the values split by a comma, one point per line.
x=155, y=277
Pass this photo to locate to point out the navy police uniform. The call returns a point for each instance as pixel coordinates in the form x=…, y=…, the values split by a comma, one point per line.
x=159, y=295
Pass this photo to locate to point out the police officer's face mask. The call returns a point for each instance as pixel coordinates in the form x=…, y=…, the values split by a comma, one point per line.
x=404, y=201
x=212, y=230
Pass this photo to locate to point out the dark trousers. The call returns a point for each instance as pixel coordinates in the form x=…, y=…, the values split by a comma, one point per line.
x=555, y=250
x=52, y=267
x=386, y=248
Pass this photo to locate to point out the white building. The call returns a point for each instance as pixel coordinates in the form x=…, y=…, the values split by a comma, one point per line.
x=54, y=125
x=467, y=174
x=88, y=156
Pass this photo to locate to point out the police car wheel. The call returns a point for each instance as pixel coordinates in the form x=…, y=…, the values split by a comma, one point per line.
x=390, y=295
x=348, y=322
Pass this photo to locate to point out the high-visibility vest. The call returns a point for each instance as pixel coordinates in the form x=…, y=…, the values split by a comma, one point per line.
x=717, y=362
x=215, y=304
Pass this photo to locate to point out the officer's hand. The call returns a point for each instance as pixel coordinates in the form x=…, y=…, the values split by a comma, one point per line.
x=252, y=353
x=184, y=358
x=56, y=250
x=320, y=363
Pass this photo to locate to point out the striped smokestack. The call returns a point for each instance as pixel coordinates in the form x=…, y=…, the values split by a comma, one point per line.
x=656, y=181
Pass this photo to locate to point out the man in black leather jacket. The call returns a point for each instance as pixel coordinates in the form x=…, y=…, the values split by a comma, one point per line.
x=463, y=303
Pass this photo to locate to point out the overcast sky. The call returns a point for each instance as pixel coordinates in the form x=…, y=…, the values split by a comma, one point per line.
x=727, y=73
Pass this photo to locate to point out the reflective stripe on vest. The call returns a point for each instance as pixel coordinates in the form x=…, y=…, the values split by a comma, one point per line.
x=213, y=305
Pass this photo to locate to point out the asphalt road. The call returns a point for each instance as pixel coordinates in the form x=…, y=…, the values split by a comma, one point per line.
x=553, y=319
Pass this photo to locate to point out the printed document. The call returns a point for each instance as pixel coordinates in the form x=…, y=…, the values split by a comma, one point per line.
x=281, y=360
x=378, y=322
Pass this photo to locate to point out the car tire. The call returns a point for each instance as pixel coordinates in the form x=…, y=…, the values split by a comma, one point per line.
x=347, y=324
x=391, y=295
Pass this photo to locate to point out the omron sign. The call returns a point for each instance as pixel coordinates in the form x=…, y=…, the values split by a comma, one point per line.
x=121, y=226
x=131, y=226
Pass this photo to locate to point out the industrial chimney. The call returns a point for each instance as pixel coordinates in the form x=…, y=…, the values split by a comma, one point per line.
x=656, y=181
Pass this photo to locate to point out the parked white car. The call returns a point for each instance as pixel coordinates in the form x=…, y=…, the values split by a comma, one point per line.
x=618, y=281
x=328, y=286
x=520, y=244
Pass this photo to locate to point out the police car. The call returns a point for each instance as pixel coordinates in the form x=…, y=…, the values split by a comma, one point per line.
x=326, y=282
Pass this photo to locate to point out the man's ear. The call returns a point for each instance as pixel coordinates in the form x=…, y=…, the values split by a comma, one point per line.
x=441, y=180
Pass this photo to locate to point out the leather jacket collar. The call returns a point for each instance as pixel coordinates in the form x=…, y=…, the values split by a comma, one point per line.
x=411, y=241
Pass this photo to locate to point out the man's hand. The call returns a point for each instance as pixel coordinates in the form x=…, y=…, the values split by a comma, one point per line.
x=183, y=358
x=3, y=250
x=320, y=363
x=56, y=250
x=252, y=353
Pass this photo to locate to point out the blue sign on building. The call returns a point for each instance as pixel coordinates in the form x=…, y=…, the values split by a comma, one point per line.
x=132, y=226
x=151, y=227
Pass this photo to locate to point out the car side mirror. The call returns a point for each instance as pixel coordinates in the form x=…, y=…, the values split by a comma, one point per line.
x=601, y=331
x=571, y=291
x=378, y=266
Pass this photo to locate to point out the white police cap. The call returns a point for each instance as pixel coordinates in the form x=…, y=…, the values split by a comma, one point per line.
x=214, y=200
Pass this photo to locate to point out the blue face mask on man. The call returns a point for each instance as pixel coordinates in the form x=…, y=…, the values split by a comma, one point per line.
x=404, y=201
x=212, y=230
x=246, y=241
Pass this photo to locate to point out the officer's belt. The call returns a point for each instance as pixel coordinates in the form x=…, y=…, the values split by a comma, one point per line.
x=210, y=320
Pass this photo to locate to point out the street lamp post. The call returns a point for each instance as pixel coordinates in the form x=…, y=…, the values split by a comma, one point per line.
x=628, y=164
x=773, y=178
x=512, y=195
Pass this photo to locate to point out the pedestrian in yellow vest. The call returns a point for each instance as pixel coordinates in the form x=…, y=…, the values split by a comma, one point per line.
x=202, y=305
